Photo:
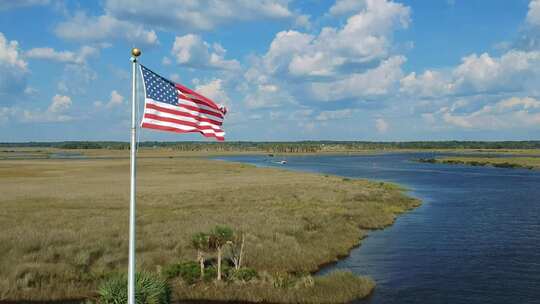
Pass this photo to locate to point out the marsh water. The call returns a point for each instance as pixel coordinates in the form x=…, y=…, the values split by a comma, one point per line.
x=475, y=239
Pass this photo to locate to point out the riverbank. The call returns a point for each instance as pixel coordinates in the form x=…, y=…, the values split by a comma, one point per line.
x=498, y=162
x=13, y=153
x=64, y=225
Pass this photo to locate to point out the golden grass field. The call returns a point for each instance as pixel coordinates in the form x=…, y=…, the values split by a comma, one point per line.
x=64, y=223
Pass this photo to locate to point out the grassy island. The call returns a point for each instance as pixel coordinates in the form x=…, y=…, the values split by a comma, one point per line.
x=64, y=225
x=498, y=162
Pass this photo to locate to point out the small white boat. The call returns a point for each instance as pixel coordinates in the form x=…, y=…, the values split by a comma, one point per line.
x=283, y=162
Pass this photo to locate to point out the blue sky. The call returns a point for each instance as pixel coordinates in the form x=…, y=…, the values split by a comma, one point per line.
x=287, y=70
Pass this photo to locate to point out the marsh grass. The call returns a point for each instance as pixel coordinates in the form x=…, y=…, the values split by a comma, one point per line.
x=64, y=223
x=499, y=162
x=336, y=287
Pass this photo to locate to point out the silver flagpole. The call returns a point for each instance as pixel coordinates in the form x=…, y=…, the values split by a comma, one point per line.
x=131, y=268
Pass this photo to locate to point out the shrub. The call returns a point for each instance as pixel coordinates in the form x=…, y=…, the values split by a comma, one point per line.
x=210, y=273
x=149, y=289
x=171, y=271
x=245, y=274
x=188, y=271
x=201, y=242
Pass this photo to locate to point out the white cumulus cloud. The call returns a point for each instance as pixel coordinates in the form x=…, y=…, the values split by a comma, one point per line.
x=14, y=69
x=214, y=90
x=364, y=38
x=12, y=4
x=353, y=61
x=47, y=53
x=379, y=81
x=190, y=50
x=60, y=103
x=478, y=74
x=511, y=113
x=428, y=84
x=381, y=125
x=56, y=112
x=341, y=7
x=266, y=95
x=9, y=53
x=196, y=15
x=334, y=115
x=533, y=15
x=81, y=27
x=115, y=100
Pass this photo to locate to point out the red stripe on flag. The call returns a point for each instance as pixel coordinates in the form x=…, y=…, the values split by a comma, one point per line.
x=206, y=101
x=181, y=122
x=172, y=129
x=192, y=108
x=195, y=100
x=198, y=104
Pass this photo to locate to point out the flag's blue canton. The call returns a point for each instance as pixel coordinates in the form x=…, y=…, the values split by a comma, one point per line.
x=159, y=88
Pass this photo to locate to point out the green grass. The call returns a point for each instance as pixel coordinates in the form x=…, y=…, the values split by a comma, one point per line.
x=65, y=223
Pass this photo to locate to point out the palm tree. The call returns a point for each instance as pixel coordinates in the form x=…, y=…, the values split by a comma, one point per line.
x=201, y=242
x=219, y=237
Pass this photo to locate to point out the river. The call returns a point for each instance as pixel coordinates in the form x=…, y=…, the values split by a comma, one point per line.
x=475, y=239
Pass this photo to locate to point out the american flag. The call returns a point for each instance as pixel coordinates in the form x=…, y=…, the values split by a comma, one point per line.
x=170, y=106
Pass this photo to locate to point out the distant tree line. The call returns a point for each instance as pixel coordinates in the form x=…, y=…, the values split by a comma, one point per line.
x=284, y=147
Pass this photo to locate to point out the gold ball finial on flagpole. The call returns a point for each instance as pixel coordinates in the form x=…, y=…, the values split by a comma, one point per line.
x=136, y=52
